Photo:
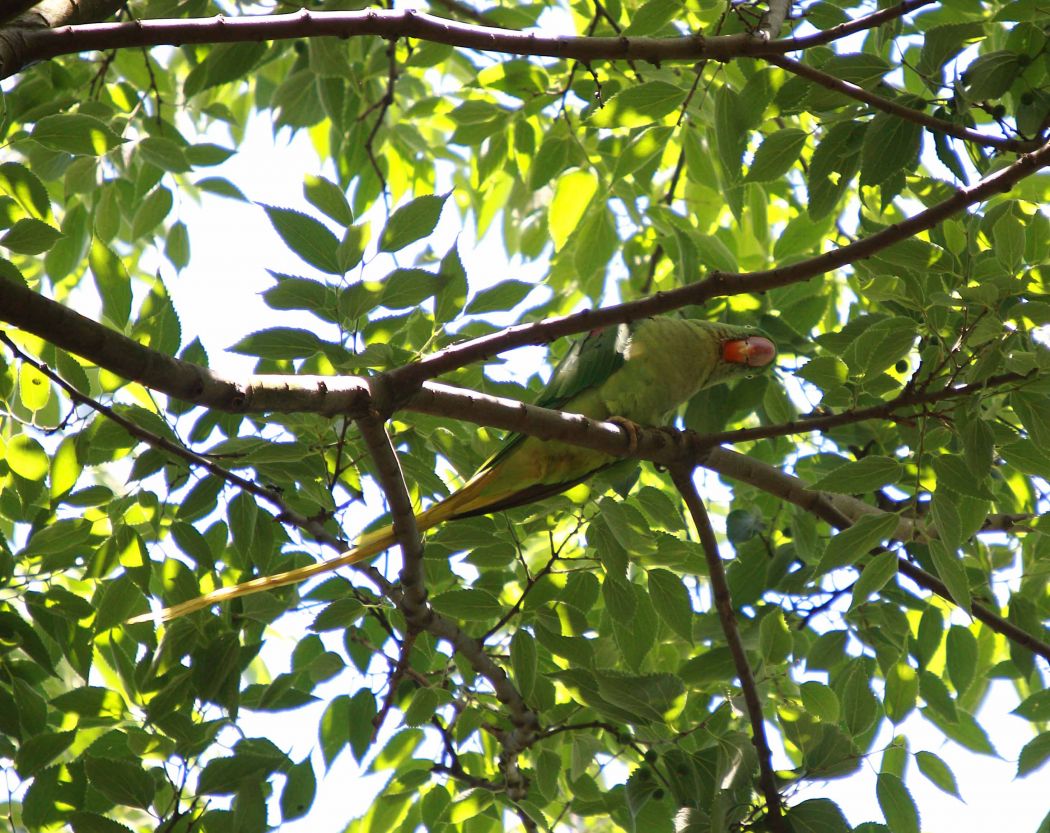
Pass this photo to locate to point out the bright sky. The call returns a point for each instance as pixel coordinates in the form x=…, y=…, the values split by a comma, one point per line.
x=233, y=245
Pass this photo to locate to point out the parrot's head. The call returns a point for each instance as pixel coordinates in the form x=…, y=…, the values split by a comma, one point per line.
x=742, y=351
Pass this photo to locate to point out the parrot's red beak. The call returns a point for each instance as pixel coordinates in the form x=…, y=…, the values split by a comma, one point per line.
x=754, y=351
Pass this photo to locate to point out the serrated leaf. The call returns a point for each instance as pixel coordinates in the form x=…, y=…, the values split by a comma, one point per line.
x=308, y=238
x=671, y=600
x=876, y=574
x=113, y=282
x=639, y=105
x=896, y=804
x=468, y=604
x=26, y=188
x=1033, y=755
x=411, y=222
x=503, y=296
x=76, y=133
x=951, y=571
x=891, y=146
x=938, y=772
x=328, y=197
x=777, y=153
x=864, y=475
x=29, y=236
x=817, y=815
x=407, y=288
x=572, y=195
x=856, y=541
x=279, y=343
x=122, y=782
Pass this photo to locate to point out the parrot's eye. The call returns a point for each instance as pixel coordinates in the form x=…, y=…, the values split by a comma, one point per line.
x=753, y=351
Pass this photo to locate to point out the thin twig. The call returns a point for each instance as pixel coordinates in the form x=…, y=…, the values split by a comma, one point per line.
x=683, y=480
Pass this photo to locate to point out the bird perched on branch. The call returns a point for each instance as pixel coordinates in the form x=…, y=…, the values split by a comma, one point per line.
x=634, y=374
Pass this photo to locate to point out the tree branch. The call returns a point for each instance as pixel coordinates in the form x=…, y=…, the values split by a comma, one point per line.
x=683, y=480
x=870, y=21
x=352, y=396
x=835, y=510
x=719, y=284
x=895, y=109
x=412, y=601
x=33, y=45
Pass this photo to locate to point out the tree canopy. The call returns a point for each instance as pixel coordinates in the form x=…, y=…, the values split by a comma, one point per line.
x=862, y=182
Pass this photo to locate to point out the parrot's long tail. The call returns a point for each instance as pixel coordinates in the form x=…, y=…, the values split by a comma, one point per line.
x=369, y=545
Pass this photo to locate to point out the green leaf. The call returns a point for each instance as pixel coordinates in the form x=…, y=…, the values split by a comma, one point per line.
x=151, y=212
x=225, y=62
x=951, y=571
x=953, y=473
x=308, y=238
x=864, y=475
x=937, y=771
x=76, y=133
x=991, y=75
x=1034, y=754
x=896, y=804
x=523, y=660
x=854, y=542
x=30, y=237
x=469, y=604
x=902, y=688
x=122, y=782
x=26, y=188
x=503, y=296
x=876, y=574
x=451, y=296
x=652, y=16
x=820, y=701
x=671, y=600
x=572, y=195
x=297, y=797
x=638, y=105
x=328, y=197
x=411, y=222
x=961, y=657
x=774, y=638
x=279, y=343
x=164, y=153
x=113, y=282
x=408, y=288
x=40, y=750
x=817, y=815
x=26, y=458
x=83, y=822
x=777, y=153
x=1035, y=707
x=891, y=145
x=177, y=245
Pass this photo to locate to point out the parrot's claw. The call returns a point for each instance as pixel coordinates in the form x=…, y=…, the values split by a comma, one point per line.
x=631, y=429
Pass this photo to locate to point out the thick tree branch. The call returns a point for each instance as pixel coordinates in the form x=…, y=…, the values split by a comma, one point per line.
x=718, y=284
x=836, y=511
x=32, y=45
x=329, y=395
x=683, y=480
x=412, y=601
x=46, y=44
x=894, y=108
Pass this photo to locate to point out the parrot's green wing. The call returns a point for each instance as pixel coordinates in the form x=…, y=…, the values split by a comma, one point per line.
x=590, y=361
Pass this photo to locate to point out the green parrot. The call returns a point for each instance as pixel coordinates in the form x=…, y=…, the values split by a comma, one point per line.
x=637, y=374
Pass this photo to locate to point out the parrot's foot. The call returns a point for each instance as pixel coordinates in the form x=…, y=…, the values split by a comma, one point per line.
x=631, y=429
